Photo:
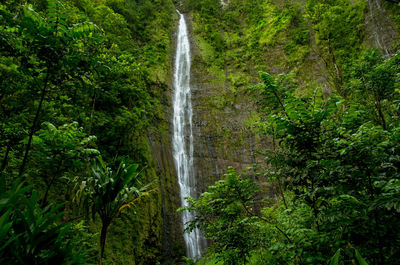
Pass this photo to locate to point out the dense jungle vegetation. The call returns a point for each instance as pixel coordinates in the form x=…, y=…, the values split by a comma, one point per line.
x=83, y=83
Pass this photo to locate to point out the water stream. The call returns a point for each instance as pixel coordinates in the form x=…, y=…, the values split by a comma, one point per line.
x=183, y=134
x=380, y=28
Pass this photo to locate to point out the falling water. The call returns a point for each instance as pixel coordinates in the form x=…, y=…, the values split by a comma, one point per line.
x=183, y=134
x=380, y=28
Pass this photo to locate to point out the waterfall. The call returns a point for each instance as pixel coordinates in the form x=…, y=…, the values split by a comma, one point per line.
x=380, y=28
x=183, y=133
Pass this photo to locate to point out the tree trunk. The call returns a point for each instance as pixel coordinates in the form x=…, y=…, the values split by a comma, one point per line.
x=33, y=127
x=103, y=236
x=3, y=182
x=4, y=164
x=44, y=200
x=92, y=111
x=282, y=194
x=377, y=233
x=51, y=183
x=380, y=113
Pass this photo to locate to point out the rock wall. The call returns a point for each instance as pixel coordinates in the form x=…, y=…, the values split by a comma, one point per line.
x=223, y=135
x=172, y=238
x=224, y=110
x=380, y=29
x=160, y=143
x=223, y=107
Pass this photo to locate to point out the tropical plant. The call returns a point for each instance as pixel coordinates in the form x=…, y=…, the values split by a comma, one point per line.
x=59, y=67
x=68, y=147
x=108, y=192
x=357, y=259
x=340, y=166
x=227, y=215
x=30, y=234
x=373, y=81
x=52, y=55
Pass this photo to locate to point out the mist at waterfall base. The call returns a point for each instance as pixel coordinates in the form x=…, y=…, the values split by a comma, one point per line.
x=183, y=134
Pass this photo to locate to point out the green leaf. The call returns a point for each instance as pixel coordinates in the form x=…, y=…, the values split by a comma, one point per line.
x=359, y=258
x=267, y=79
x=335, y=258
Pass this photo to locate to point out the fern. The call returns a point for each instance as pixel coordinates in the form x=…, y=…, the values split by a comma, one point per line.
x=85, y=29
x=56, y=18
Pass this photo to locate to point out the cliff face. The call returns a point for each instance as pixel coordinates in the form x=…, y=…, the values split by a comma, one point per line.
x=231, y=41
x=171, y=229
x=379, y=27
x=223, y=135
x=170, y=241
x=230, y=44
x=153, y=233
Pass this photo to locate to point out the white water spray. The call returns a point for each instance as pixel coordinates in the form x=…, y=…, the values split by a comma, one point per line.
x=378, y=21
x=182, y=123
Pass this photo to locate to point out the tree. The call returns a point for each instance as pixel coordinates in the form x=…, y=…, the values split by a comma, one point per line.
x=227, y=214
x=108, y=192
x=45, y=53
x=61, y=154
x=374, y=81
x=340, y=168
x=339, y=29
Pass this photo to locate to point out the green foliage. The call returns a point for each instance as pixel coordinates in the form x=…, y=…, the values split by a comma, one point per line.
x=60, y=154
x=91, y=70
x=34, y=235
x=374, y=83
x=335, y=169
x=335, y=259
x=339, y=30
x=77, y=68
x=225, y=214
x=107, y=193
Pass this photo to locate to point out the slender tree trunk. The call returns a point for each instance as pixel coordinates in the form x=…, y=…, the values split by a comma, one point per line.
x=118, y=148
x=51, y=184
x=315, y=212
x=379, y=238
x=376, y=219
x=3, y=182
x=103, y=236
x=380, y=113
x=92, y=111
x=33, y=127
x=282, y=194
x=338, y=73
x=314, y=206
x=4, y=164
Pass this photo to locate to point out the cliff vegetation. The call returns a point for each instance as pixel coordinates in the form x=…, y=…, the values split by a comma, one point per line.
x=296, y=101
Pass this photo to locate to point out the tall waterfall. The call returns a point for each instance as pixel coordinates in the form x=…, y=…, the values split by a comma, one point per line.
x=183, y=134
